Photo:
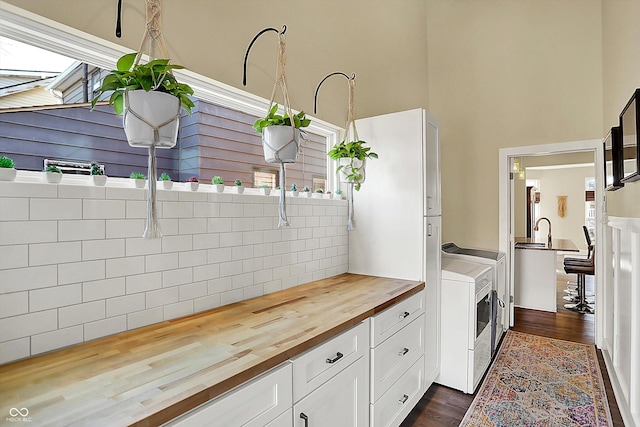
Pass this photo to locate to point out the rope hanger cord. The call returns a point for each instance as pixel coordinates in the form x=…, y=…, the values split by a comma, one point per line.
x=152, y=41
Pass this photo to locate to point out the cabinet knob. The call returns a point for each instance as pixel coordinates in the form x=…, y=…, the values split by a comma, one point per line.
x=403, y=400
x=305, y=418
x=403, y=352
x=404, y=315
x=335, y=359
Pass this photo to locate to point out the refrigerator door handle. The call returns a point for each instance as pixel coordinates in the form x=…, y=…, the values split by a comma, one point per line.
x=429, y=202
x=429, y=230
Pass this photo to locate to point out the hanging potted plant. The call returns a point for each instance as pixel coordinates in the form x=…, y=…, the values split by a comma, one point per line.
x=280, y=138
x=351, y=157
x=7, y=169
x=97, y=174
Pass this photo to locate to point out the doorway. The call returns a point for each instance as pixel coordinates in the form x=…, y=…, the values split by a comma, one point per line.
x=507, y=158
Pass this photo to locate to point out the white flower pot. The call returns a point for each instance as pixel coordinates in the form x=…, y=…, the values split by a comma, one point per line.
x=151, y=117
x=139, y=182
x=294, y=193
x=265, y=191
x=239, y=189
x=219, y=188
x=280, y=144
x=193, y=186
x=346, y=170
x=166, y=184
x=52, y=177
x=7, y=174
x=99, y=180
x=307, y=193
x=318, y=195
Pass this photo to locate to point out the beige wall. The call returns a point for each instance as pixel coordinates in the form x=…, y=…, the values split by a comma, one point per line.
x=385, y=47
x=507, y=73
x=621, y=76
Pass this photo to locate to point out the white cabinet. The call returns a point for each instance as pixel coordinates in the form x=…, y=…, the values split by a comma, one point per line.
x=341, y=401
x=432, y=166
x=397, y=360
x=264, y=400
x=433, y=288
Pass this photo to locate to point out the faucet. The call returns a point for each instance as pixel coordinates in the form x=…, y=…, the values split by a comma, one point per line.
x=536, y=228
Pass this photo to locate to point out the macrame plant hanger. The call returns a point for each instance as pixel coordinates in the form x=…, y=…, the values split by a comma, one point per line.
x=280, y=82
x=153, y=47
x=351, y=133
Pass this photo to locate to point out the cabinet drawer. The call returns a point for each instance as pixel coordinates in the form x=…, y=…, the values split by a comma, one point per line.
x=392, y=358
x=394, y=406
x=314, y=367
x=255, y=403
x=388, y=322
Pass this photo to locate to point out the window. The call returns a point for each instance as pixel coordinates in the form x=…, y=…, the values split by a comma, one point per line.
x=268, y=177
x=218, y=142
x=319, y=183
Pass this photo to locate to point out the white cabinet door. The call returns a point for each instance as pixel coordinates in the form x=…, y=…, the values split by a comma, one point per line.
x=432, y=165
x=433, y=287
x=394, y=406
x=342, y=401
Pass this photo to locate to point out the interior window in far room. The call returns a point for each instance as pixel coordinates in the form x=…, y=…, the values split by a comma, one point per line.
x=263, y=176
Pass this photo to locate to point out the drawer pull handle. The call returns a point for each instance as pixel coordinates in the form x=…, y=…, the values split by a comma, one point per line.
x=403, y=352
x=305, y=418
x=404, y=399
x=335, y=359
x=404, y=315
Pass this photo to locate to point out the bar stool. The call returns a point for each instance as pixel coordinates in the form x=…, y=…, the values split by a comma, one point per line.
x=581, y=267
x=572, y=287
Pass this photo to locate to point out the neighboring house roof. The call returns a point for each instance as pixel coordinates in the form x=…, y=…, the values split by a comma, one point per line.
x=69, y=77
x=15, y=81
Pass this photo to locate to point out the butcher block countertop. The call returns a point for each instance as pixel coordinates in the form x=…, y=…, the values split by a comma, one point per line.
x=150, y=375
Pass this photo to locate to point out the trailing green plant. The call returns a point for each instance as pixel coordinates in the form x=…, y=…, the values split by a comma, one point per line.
x=217, y=180
x=193, y=179
x=352, y=150
x=273, y=119
x=137, y=175
x=53, y=169
x=6, y=162
x=238, y=183
x=153, y=76
x=96, y=169
x=165, y=177
x=294, y=187
x=319, y=190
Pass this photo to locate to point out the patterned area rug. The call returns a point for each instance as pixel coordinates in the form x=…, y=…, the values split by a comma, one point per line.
x=541, y=382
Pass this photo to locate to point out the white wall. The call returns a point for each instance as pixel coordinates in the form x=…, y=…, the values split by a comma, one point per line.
x=73, y=266
x=568, y=182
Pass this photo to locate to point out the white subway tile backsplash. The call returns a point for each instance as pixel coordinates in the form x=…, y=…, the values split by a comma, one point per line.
x=22, y=232
x=102, y=249
x=15, y=350
x=56, y=339
x=14, y=209
x=102, y=328
x=55, y=209
x=125, y=304
x=54, y=297
x=81, y=271
x=103, y=289
x=54, y=253
x=14, y=304
x=26, y=325
x=14, y=256
x=81, y=313
x=75, y=267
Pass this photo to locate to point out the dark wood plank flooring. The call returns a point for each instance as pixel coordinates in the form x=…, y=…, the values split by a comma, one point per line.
x=443, y=406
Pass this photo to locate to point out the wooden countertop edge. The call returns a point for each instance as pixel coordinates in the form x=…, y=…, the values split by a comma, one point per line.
x=197, y=399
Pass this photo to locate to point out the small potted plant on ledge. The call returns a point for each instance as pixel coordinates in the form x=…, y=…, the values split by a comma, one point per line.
x=338, y=194
x=97, y=174
x=7, y=169
x=218, y=183
x=167, y=184
x=307, y=191
x=294, y=190
x=138, y=179
x=52, y=174
x=265, y=189
x=239, y=187
x=193, y=183
x=319, y=193
x=351, y=157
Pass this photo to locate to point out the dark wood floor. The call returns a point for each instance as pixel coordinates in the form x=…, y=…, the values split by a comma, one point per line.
x=442, y=406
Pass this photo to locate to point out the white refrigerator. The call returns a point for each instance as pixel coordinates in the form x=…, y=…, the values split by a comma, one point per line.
x=397, y=212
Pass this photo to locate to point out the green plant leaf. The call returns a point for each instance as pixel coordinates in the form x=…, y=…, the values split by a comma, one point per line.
x=126, y=61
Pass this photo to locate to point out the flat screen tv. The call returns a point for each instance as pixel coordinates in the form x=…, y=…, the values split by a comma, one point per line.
x=629, y=127
x=613, y=166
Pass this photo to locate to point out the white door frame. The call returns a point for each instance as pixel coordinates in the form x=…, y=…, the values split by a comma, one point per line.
x=506, y=220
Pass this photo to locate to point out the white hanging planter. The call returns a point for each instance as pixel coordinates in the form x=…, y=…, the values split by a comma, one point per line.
x=280, y=144
x=7, y=174
x=347, y=168
x=151, y=118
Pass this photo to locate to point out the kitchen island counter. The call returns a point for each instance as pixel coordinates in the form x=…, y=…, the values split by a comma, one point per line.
x=564, y=245
x=150, y=375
